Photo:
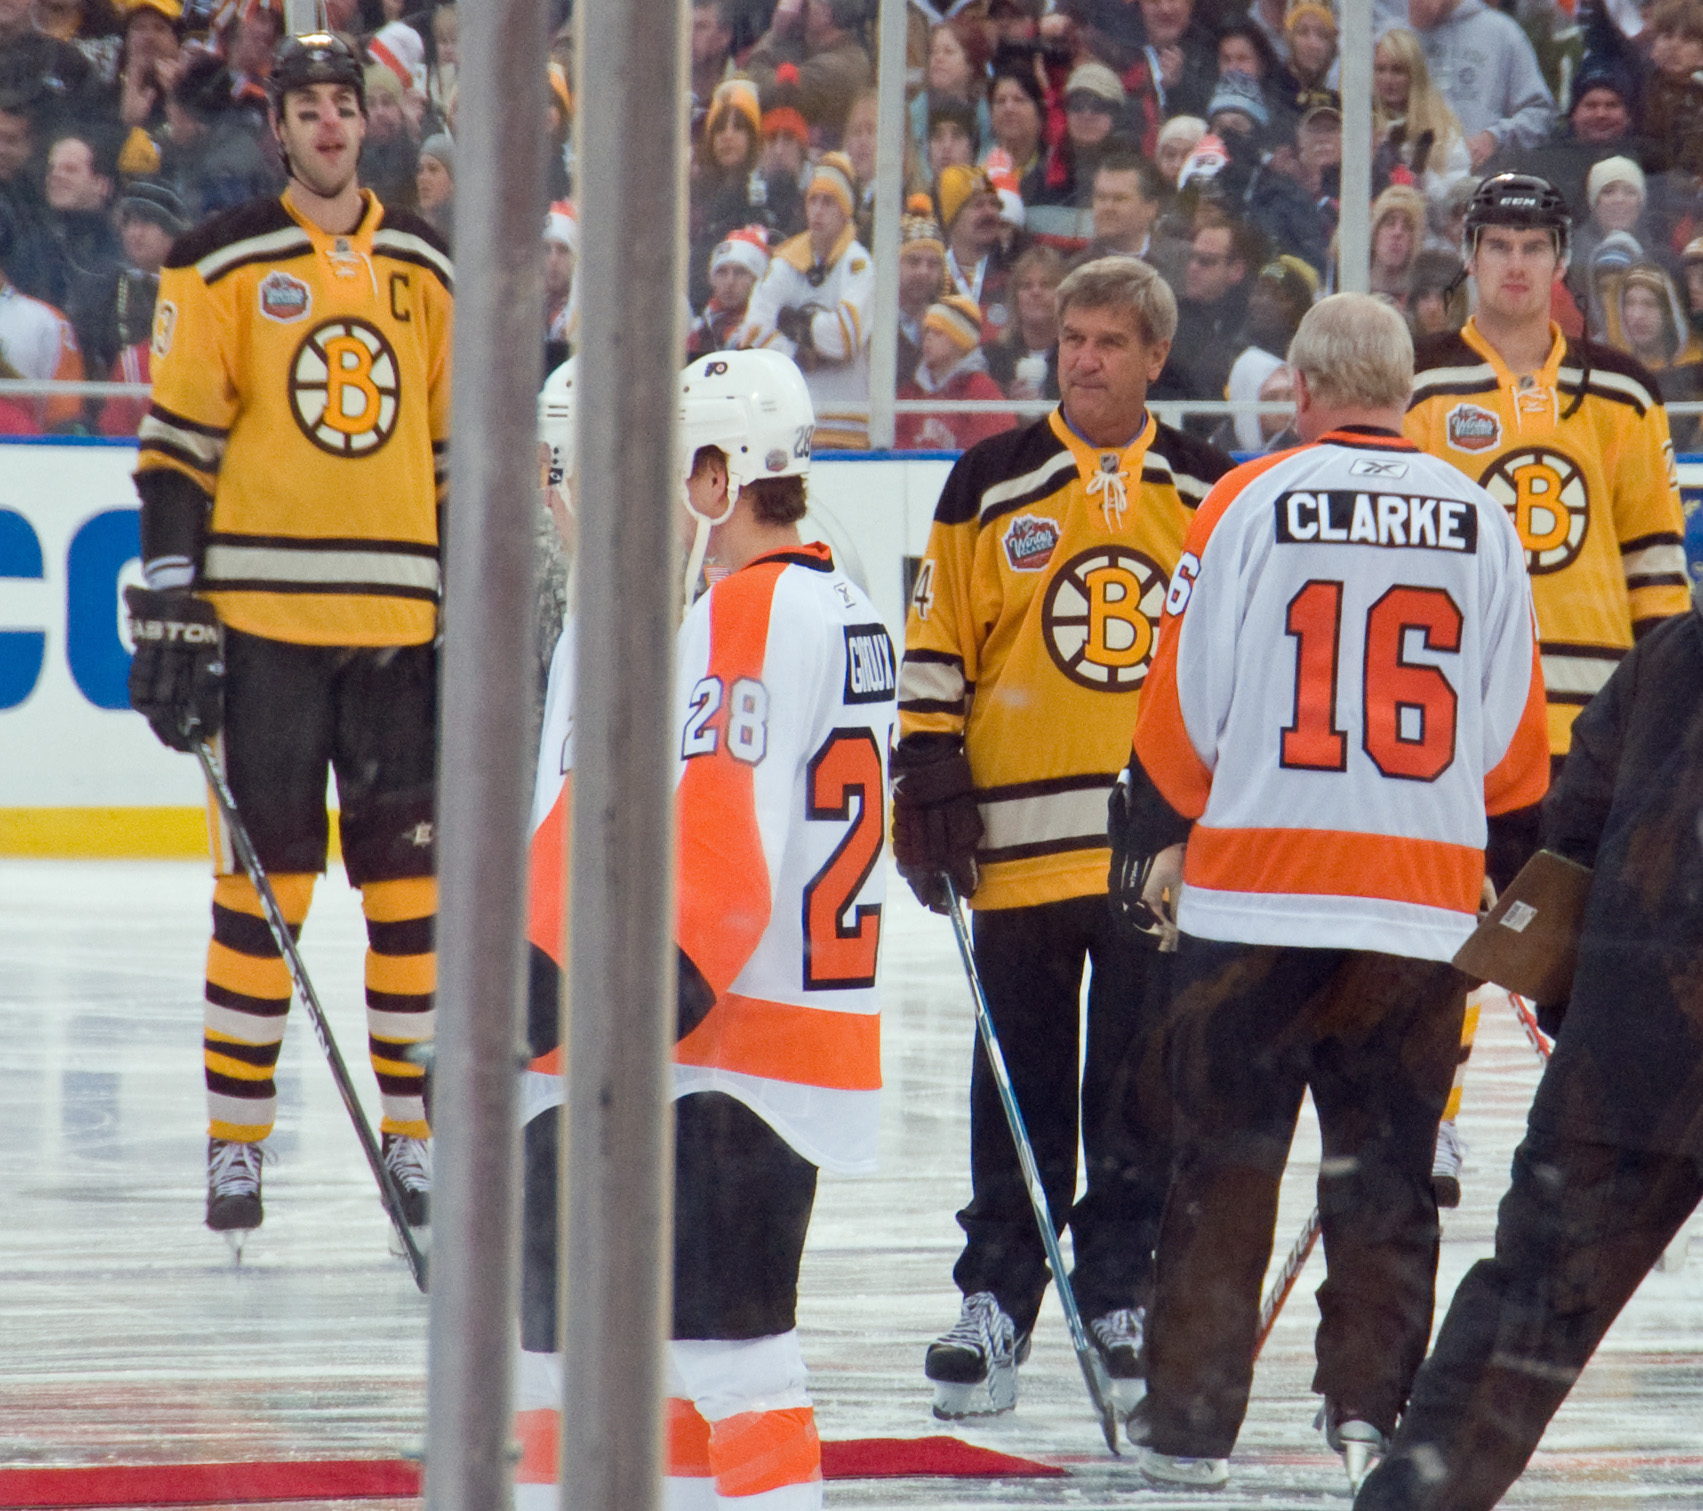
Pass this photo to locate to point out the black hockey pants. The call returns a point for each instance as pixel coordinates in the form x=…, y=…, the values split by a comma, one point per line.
x=1252, y=1028
x=1031, y=962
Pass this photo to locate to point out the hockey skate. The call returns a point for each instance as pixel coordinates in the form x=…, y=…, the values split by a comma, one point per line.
x=1446, y=1165
x=1176, y=1471
x=409, y=1161
x=233, y=1191
x=974, y=1366
x=1360, y=1443
x=1119, y=1338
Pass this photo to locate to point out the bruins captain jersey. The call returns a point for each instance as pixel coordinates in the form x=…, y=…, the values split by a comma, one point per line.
x=1579, y=455
x=1031, y=630
x=302, y=380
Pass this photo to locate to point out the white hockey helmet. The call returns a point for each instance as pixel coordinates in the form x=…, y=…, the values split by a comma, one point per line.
x=556, y=406
x=751, y=405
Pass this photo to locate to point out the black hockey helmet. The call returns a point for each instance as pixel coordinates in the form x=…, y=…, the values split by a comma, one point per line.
x=316, y=58
x=1521, y=200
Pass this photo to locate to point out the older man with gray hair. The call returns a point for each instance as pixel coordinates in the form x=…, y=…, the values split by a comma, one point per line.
x=1031, y=631
x=1345, y=694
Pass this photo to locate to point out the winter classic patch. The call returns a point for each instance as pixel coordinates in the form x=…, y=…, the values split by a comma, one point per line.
x=283, y=298
x=1030, y=542
x=1472, y=428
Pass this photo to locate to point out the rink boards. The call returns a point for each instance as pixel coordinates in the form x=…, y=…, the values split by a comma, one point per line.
x=81, y=775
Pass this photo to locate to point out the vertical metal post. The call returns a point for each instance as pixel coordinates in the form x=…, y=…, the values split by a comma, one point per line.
x=1354, y=226
x=482, y=808
x=890, y=128
x=619, y=1212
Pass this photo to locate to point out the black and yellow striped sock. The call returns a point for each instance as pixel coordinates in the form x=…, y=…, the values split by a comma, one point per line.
x=402, y=967
x=1469, y=1032
x=248, y=998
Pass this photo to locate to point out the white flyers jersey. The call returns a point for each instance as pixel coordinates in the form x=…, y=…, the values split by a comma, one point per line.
x=785, y=699
x=1346, y=684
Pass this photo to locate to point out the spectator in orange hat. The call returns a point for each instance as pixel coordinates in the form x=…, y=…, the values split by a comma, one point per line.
x=821, y=40
x=952, y=368
x=734, y=269
x=922, y=280
x=786, y=145
x=727, y=188
x=975, y=261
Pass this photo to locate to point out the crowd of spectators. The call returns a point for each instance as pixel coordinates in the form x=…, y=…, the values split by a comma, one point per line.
x=125, y=122
x=1200, y=135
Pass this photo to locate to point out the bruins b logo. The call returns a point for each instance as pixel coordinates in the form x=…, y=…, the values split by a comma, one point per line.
x=1100, y=617
x=1544, y=494
x=344, y=387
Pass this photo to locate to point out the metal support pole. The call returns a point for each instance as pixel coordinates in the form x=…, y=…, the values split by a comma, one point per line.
x=487, y=687
x=1354, y=226
x=619, y=1152
x=890, y=128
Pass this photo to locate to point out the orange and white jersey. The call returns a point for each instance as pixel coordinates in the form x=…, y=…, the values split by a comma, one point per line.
x=785, y=692
x=36, y=341
x=1346, y=684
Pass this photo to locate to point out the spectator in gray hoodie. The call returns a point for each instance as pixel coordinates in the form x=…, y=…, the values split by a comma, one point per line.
x=1488, y=73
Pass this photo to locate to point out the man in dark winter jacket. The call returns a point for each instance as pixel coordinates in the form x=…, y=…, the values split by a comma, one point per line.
x=1612, y=1163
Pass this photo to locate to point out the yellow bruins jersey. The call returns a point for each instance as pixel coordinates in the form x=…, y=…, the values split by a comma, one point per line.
x=1579, y=455
x=302, y=379
x=1032, y=625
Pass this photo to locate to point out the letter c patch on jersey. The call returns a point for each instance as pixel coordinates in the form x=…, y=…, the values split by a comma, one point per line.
x=1100, y=617
x=345, y=391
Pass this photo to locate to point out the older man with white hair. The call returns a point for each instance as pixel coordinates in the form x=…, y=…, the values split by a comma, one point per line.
x=1346, y=687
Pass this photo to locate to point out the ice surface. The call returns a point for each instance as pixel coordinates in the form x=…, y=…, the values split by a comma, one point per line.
x=128, y=1336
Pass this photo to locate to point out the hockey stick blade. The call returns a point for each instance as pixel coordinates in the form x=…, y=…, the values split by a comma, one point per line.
x=1286, y=1278
x=1087, y=1355
x=1528, y=1021
x=388, y=1191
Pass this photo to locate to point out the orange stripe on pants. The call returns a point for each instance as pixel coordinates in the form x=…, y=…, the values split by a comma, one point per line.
x=765, y=1450
x=688, y=1450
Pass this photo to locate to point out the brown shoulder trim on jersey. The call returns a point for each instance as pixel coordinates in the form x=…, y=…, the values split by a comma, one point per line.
x=1444, y=349
x=1608, y=374
x=1014, y=467
x=1655, y=538
x=407, y=238
x=259, y=217
x=1195, y=465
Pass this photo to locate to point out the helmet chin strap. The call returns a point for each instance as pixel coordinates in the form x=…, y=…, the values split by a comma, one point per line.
x=701, y=539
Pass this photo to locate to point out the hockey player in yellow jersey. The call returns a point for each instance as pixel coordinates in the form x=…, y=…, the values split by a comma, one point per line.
x=291, y=471
x=1571, y=437
x=1031, y=628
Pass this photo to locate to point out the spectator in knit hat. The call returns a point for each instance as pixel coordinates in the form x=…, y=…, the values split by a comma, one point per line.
x=1058, y=204
x=1602, y=119
x=820, y=39
x=952, y=368
x=727, y=188
x=922, y=280
x=49, y=78
x=390, y=153
x=1178, y=137
x=814, y=305
x=434, y=184
x=149, y=57
x=561, y=308
x=1282, y=294
x=735, y=267
x=1398, y=230
x=1615, y=198
x=976, y=262
x=150, y=217
x=786, y=142
x=1650, y=325
x=1309, y=43
x=559, y=121
x=1252, y=184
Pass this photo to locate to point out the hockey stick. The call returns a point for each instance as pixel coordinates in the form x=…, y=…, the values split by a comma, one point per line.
x=1528, y=1021
x=1087, y=1355
x=286, y=942
x=1286, y=1278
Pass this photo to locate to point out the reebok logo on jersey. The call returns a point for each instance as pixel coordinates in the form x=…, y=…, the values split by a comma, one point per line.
x=1473, y=428
x=1377, y=519
x=871, y=673
x=1030, y=542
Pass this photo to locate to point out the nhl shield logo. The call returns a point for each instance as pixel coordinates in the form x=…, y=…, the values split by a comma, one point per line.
x=1030, y=542
x=283, y=298
x=1472, y=428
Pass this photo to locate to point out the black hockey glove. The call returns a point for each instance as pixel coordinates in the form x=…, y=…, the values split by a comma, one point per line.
x=1130, y=865
x=177, y=676
x=937, y=824
x=795, y=324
